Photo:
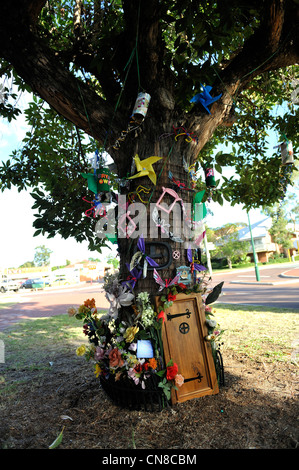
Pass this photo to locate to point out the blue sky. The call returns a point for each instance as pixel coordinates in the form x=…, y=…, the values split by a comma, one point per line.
x=17, y=244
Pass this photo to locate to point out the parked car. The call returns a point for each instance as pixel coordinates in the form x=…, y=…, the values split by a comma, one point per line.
x=9, y=284
x=60, y=281
x=33, y=284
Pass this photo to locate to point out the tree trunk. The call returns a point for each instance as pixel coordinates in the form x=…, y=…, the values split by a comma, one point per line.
x=174, y=150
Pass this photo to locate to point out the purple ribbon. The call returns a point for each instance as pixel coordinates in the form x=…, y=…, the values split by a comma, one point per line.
x=135, y=274
x=197, y=267
x=141, y=246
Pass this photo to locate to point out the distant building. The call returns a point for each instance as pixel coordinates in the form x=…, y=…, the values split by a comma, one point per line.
x=264, y=245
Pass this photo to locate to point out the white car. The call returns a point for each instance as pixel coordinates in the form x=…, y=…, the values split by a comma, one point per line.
x=9, y=284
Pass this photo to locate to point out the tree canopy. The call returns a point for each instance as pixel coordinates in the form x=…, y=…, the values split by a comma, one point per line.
x=85, y=61
x=227, y=244
x=42, y=256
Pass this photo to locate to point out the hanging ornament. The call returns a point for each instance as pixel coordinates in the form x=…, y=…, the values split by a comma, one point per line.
x=210, y=179
x=185, y=275
x=179, y=131
x=140, y=255
x=177, y=183
x=287, y=154
x=145, y=168
x=132, y=195
x=164, y=226
x=199, y=208
x=204, y=98
x=135, y=274
x=172, y=193
x=194, y=266
x=137, y=117
x=96, y=209
x=286, y=151
x=127, y=229
x=168, y=282
x=100, y=180
x=141, y=106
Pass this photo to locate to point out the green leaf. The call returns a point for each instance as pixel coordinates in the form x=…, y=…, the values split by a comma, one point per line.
x=57, y=441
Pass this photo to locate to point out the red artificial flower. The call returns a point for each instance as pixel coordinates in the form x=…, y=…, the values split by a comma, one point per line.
x=138, y=368
x=171, y=297
x=182, y=286
x=161, y=315
x=171, y=371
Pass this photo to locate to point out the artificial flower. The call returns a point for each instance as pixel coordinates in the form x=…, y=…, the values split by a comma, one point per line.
x=115, y=359
x=81, y=350
x=182, y=286
x=161, y=315
x=171, y=297
x=211, y=323
x=179, y=380
x=124, y=299
x=71, y=311
x=171, y=371
x=130, y=333
x=132, y=360
x=138, y=368
x=132, y=375
x=152, y=363
x=98, y=370
x=83, y=309
x=90, y=303
x=100, y=353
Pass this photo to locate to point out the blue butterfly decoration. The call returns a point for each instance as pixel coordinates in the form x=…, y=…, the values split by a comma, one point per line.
x=204, y=98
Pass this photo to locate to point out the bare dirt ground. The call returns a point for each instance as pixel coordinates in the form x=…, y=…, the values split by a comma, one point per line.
x=257, y=408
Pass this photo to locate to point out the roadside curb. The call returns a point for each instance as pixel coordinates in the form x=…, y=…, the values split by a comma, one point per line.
x=259, y=283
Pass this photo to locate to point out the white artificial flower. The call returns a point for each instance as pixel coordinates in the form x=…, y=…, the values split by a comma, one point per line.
x=124, y=299
x=211, y=323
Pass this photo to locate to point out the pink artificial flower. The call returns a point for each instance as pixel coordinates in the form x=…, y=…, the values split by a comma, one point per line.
x=179, y=380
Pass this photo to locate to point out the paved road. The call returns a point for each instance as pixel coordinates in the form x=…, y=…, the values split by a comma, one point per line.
x=278, y=286
x=48, y=302
x=274, y=289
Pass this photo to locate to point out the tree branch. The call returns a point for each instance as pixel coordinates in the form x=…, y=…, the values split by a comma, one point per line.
x=275, y=44
x=40, y=67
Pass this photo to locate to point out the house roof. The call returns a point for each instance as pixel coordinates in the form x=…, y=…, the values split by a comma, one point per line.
x=259, y=229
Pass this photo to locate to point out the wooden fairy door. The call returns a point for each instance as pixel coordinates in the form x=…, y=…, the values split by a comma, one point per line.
x=183, y=336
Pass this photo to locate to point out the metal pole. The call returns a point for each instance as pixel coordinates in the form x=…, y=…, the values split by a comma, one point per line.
x=208, y=255
x=257, y=274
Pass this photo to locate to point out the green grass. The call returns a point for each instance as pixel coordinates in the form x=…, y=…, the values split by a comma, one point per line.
x=262, y=334
x=269, y=264
x=32, y=345
x=259, y=333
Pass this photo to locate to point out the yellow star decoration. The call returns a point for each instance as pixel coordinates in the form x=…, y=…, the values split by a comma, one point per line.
x=145, y=168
